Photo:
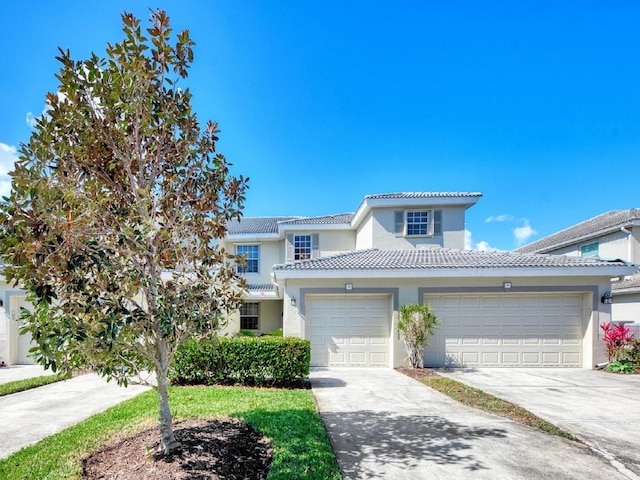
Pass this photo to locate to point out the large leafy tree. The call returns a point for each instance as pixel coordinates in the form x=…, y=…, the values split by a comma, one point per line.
x=117, y=205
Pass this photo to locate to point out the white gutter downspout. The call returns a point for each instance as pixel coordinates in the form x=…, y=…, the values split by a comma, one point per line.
x=629, y=243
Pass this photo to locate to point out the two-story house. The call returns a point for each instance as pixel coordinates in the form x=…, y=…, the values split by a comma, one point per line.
x=339, y=281
x=612, y=235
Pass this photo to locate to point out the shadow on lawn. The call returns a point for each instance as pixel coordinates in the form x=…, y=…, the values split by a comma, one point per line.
x=404, y=441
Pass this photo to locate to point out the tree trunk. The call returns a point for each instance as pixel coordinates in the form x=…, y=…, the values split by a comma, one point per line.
x=167, y=438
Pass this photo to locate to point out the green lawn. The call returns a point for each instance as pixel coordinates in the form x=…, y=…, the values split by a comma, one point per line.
x=289, y=418
x=21, y=385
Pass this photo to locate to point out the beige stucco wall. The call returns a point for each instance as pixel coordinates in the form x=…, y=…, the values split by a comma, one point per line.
x=336, y=241
x=378, y=231
x=294, y=322
x=626, y=307
x=364, y=234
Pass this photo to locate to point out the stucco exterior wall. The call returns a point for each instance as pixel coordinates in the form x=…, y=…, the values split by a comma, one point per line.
x=626, y=307
x=381, y=225
x=335, y=242
x=364, y=234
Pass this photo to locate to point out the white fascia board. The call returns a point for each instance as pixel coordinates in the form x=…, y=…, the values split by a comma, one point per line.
x=370, y=203
x=457, y=273
x=251, y=237
x=313, y=227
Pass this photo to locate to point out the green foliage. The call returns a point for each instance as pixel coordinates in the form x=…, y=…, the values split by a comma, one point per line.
x=289, y=418
x=251, y=361
x=620, y=367
x=246, y=333
x=118, y=201
x=28, y=383
x=275, y=333
x=415, y=325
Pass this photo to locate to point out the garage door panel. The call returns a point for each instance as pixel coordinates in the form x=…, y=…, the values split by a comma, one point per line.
x=508, y=330
x=357, y=334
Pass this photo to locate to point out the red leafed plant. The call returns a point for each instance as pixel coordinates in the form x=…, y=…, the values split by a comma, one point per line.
x=615, y=337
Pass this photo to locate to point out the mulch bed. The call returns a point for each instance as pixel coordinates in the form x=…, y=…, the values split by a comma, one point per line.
x=210, y=449
x=417, y=373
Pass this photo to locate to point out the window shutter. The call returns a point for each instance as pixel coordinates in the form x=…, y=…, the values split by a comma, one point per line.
x=289, y=247
x=437, y=222
x=315, y=245
x=399, y=221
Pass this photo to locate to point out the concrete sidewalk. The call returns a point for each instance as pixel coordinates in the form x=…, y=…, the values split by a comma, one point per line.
x=28, y=417
x=383, y=424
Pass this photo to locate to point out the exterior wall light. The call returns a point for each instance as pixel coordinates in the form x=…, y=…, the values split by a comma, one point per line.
x=607, y=298
x=293, y=301
x=507, y=285
x=348, y=287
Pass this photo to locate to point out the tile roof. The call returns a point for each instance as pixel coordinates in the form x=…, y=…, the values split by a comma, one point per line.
x=374, y=259
x=582, y=231
x=323, y=220
x=261, y=287
x=633, y=282
x=422, y=195
x=251, y=225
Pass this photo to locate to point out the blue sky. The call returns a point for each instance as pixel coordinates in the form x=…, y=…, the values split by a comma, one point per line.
x=534, y=104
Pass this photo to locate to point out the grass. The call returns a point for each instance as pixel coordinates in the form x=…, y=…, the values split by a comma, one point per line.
x=476, y=398
x=289, y=418
x=21, y=385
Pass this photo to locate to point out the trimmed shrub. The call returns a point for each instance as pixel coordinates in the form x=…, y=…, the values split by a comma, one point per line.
x=251, y=361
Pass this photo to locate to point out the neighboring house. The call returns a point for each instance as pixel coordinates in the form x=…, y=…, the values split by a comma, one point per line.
x=612, y=235
x=339, y=281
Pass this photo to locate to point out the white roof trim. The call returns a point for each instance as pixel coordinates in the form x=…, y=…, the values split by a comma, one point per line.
x=456, y=272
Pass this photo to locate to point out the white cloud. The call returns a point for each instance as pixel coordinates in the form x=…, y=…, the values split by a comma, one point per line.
x=524, y=233
x=499, y=218
x=8, y=157
x=482, y=246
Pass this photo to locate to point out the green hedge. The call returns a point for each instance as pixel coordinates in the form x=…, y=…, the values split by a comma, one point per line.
x=253, y=361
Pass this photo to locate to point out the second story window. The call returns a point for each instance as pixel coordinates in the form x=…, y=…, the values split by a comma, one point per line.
x=589, y=250
x=301, y=247
x=417, y=223
x=252, y=253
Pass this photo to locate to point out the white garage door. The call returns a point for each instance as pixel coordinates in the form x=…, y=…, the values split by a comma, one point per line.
x=347, y=330
x=507, y=330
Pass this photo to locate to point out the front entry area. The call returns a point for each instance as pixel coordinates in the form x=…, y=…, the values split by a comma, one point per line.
x=507, y=330
x=349, y=330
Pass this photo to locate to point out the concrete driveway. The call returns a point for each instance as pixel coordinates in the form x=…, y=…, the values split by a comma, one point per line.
x=601, y=408
x=383, y=424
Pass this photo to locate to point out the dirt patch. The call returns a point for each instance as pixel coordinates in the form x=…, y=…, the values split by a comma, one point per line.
x=417, y=373
x=211, y=449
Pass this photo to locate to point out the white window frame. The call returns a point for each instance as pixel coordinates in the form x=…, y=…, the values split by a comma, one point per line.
x=403, y=230
x=297, y=245
x=243, y=269
x=250, y=315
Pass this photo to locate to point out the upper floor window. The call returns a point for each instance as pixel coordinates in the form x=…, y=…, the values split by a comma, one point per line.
x=301, y=247
x=252, y=253
x=418, y=222
x=589, y=250
x=249, y=316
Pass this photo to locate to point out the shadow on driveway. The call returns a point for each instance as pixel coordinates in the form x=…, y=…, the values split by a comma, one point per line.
x=402, y=441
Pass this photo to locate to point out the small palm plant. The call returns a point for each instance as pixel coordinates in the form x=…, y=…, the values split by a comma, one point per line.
x=415, y=325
